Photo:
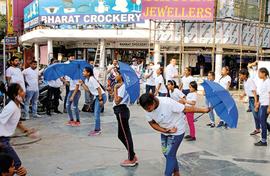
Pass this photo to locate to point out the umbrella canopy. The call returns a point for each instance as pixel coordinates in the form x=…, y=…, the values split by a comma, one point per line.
x=222, y=102
x=75, y=68
x=131, y=81
x=54, y=71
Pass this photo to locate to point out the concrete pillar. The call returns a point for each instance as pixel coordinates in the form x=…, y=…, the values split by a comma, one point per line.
x=102, y=54
x=84, y=54
x=50, y=50
x=37, y=54
x=157, y=53
x=185, y=62
x=218, y=62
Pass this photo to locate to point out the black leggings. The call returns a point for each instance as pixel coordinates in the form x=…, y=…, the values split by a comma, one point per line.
x=124, y=134
x=56, y=94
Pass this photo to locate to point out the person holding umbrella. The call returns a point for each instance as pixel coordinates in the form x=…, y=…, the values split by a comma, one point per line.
x=121, y=110
x=92, y=85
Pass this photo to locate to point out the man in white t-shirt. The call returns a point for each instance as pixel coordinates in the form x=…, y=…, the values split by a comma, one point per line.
x=32, y=89
x=14, y=73
x=172, y=72
x=111, y=79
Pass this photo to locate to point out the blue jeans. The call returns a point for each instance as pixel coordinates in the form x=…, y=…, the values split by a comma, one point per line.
x=75, y=103
x=162, y=94
x=211, y=113
x=170, y=145
x=98, y=110
x=186, y=91
x=251, y=101
x=31, y=96
x=263, y=119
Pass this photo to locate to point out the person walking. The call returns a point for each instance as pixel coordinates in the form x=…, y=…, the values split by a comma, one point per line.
x=91, y=85
x=150, y=79
x=9, y=119
x=212, y=124
x=121, y=110
x=186, y=80
x=161, y=89
x=167, y=116
x=264, y=108
x=171, y=72
x=31, y=77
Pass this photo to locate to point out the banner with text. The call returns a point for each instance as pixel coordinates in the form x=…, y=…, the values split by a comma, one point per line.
x=192, y=10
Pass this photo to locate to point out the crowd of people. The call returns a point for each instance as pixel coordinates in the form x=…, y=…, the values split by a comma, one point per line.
x=163, y=89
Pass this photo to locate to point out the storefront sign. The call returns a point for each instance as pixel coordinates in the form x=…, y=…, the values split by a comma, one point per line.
x=84, y=11
x=198, y=10
x=10, y=40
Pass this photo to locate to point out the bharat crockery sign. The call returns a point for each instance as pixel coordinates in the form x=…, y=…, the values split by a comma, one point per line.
x=83, y=12
x=192, y=10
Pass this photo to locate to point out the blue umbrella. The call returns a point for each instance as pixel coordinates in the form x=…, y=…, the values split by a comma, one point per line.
x=75, y=68
x=222, y=102
x=131, y=81
x=54, y=71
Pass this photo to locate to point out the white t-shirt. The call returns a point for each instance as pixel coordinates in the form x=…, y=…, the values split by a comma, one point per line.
x=159, y=80
x=264, y=93
x=177, y=95
x=72, y=84
x=151, y=80
x=31, y=78
x=192, y=96
x=171, y=71
x=186, y=81
x=249, y=86
x=225, y=81
x=55, y=83
x=93, y=85
x=9, y=119
x=122, y=92
x=16, y=76
x=168, y=114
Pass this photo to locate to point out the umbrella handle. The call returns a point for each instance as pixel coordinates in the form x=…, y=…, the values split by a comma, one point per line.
x=196, y=119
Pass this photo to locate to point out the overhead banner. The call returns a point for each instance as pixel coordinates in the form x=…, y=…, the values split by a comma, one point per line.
x=192, y=10
x=85, y=12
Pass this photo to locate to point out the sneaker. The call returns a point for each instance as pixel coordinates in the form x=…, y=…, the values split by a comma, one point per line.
x=221, y=124
x=209, y=124
x=261, y=143
x=94, y=133
x=212, y=125
x=36, y=116
x=254, y=132
x=187, y=137
x=27, y=118
x=226, y=126
x=70, y=123
x=76, y=124
x=191, y=139
x=58, y=112
x=128, y=163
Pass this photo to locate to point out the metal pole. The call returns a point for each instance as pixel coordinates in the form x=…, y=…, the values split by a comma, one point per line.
x=4, y=66
x=214, y=37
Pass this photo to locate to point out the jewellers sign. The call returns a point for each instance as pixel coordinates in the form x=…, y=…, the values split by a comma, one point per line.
x=84, y=11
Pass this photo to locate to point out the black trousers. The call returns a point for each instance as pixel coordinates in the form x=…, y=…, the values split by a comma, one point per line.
x=150, y=88
x=54, y=94
x=124, y=134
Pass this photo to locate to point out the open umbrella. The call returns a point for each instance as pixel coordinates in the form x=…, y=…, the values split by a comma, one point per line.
x=222, y=102
x=131, y=81
x=54, y=71
x=75, y=68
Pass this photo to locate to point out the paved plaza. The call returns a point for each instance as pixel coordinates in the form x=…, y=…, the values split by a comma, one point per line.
x=68, y=151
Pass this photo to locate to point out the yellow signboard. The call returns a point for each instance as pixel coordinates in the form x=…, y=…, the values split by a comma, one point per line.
x=10, y=30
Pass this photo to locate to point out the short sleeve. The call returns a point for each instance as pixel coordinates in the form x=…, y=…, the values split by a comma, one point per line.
x=94, y=83
x=252, y=85
x=180, y=94
x=160, y=80
x=121, y=91
x=8, y=72
x=148, y=117
x=176, y=107
x=6, y=113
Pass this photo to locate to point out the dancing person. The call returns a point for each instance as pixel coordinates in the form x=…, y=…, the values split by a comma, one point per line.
x=150, y=79
x=225, y=81
x=167, y=116
x=171, y=71
x=161, y=89
x=186, y=80
x=9, y=119
x=211, y=77
x=121, y=110
x=91, y=85
x=73, y=102
x=250, y=91
x=264, y=108
x=174, y=92
x=32, y=90
x=111, y=78
x=191, y=100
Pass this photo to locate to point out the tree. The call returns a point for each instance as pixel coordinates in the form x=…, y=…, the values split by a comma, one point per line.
x=3, y=24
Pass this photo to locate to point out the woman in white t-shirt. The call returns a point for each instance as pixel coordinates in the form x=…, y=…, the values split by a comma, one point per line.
x=264, y=108
x=9, y=120
x=191, y=100
x=186, y=80
x=174, y=92
x=167, y=116
x=161, y=89
x=92, y=85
